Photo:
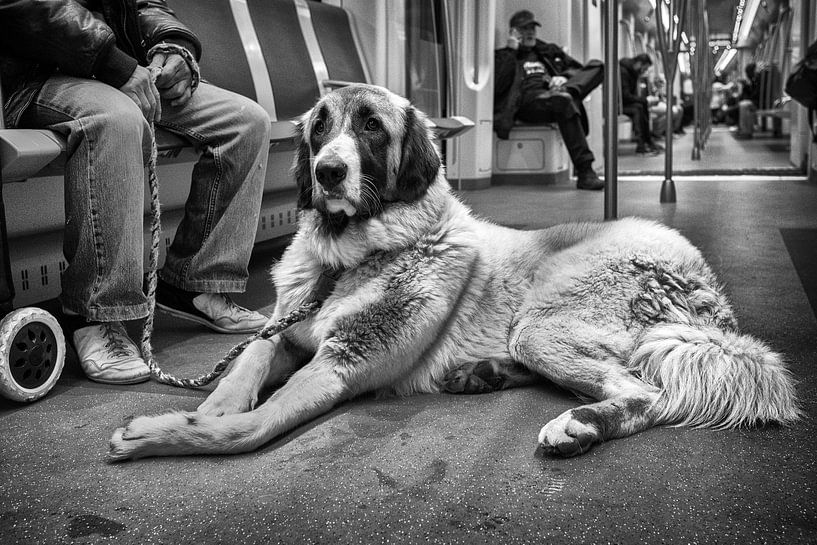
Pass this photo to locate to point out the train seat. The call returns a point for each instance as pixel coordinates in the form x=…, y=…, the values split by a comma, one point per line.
x=284, y=54
x=532, y=154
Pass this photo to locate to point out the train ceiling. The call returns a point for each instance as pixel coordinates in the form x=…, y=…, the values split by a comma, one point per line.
x=721, y=18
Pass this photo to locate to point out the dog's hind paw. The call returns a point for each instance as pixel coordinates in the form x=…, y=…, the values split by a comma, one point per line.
x=566, y=436
x=483, y=376
x=460, y=381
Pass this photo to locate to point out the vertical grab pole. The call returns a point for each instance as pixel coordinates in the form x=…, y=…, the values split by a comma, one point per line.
x=611, y=91
x=669, y=43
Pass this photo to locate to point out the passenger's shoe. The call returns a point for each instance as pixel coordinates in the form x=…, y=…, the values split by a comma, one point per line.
x=214, y=310
x=108, y=355
x=588, y=179
x=557, y=98
x=644, y=149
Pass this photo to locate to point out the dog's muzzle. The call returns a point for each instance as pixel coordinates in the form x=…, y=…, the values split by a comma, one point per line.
x=330, y=171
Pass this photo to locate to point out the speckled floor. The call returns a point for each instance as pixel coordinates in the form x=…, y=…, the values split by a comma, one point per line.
x=449, y=469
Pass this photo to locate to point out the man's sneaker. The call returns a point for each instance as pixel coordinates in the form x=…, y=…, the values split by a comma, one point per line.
x=108, y=355
x=588, y=179
x=214, y=310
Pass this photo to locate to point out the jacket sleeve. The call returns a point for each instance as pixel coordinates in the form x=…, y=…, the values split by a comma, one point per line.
x=504, y=71
x=159, y=23
x=64, y=34
x=559, y=61
x=571, y=63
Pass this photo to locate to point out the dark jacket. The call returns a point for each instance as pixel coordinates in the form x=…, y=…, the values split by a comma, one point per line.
x=508, y=78
x=101, y=39
x=629, y=84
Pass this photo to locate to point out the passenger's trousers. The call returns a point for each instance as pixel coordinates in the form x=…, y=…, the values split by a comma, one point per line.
x=108, y=145
x=541, y=109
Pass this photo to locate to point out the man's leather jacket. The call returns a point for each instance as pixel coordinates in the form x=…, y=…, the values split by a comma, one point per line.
x=100, y=39
x=508, y=78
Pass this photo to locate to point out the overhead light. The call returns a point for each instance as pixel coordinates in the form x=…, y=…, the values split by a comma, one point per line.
x=725, y=60
x=744, y=18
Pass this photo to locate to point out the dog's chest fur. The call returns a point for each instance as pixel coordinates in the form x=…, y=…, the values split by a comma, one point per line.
x=445, y=281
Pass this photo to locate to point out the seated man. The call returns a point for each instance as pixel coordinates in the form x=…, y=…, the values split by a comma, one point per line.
x=532, y=85
x=635, y=106
x=101, y=77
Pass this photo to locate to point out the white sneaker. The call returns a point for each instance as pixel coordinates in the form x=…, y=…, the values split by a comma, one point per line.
x=108, y=355
x=214, y=310
x=225, y=316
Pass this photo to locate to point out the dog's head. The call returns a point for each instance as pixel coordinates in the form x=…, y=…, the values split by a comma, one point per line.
x=362, y=147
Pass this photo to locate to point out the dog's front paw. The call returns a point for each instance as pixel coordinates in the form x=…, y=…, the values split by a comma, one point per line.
x=566, y=436
x=146, y=436
x=227, y=400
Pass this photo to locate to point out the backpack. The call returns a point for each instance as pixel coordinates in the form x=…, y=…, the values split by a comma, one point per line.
x=801, y=85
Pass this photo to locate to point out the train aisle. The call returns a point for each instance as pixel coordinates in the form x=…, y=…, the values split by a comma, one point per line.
x=724, y=154
x=452, y=469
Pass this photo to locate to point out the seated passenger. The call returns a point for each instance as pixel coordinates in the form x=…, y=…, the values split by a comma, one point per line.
x=635, y=106
x=749, y=102
x=100, y=78
x=537, y=82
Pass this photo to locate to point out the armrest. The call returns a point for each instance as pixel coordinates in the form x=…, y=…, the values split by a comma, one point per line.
x=449, y=127
x=25, y=152
x=337, y=84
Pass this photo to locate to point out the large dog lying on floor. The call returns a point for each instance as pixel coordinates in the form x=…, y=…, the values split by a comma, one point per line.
x=428, y=298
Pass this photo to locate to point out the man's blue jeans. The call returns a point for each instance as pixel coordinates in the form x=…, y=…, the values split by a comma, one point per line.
x=108, y=146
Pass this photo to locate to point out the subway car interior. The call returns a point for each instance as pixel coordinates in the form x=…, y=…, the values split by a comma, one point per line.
x=738, y=178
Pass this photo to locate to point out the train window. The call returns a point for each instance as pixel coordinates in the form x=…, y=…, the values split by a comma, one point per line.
x=425, y=55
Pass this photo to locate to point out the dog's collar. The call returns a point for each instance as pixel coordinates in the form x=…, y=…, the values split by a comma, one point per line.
x=326, y=283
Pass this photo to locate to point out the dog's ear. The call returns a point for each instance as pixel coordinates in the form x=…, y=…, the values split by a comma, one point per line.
x=301, y=168
x=419, y=162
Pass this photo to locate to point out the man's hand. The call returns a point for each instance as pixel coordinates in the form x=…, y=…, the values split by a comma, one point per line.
x=557, y=81
x=175, y=80
x=141, y=89
x=514, y=38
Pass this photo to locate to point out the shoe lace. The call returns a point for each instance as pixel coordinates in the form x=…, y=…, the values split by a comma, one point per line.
x=232, y=307
x=115, y=343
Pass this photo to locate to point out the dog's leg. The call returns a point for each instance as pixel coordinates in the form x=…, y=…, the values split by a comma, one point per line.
x=263, y=363
x=365, y=352
x=586, y=359
x=311, y=391
x=489, y=375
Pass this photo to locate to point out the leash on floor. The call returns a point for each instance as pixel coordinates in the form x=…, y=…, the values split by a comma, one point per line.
x=319, y=294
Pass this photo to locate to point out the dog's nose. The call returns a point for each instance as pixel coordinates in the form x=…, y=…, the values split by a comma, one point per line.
x=330, y=172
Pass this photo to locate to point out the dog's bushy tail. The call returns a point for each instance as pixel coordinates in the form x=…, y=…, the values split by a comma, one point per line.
x=715, y=378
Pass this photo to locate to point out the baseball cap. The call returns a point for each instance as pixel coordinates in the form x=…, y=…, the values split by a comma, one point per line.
x=522, y=18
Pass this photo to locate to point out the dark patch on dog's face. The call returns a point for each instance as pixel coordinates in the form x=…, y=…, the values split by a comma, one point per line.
x=373, y=144
x=419, y=160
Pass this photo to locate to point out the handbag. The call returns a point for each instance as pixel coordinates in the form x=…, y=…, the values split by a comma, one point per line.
x=801, y=85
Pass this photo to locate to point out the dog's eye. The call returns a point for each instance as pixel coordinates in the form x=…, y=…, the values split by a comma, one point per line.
x=318, y=127
x=372, y=124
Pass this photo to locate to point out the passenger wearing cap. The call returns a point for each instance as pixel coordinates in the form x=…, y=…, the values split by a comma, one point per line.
x=537, y=82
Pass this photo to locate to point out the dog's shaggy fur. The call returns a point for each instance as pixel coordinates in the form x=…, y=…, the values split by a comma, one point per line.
x=430, y=298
